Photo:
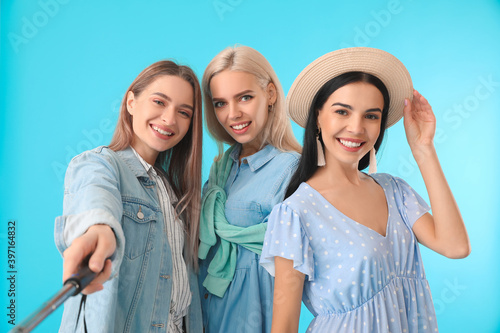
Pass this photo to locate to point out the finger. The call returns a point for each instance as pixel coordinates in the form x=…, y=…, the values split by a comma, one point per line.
x=97, y=283
x=92, y=288
x=425, y=103
x=105, y=248
x=407, y=109
x=416, y=100
x=73, y=255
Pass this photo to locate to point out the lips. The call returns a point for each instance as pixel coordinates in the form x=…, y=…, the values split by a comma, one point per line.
x=351, y=144
x=162, y=132
x=239, y=127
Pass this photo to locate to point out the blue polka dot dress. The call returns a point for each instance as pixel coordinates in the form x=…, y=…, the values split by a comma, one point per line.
x=356, y=279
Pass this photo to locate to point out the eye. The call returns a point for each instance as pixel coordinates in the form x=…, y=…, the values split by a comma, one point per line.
x=158, y=102
x=185, y=114
x=372, y=116
x=341, y=112
x=246, y=98
x=218, y=105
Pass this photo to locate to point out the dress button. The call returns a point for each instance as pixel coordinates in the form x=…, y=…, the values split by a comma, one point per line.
x=206, y=296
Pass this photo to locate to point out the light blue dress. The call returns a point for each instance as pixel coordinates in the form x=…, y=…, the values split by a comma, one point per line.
x=356, y=279
x=253, y=189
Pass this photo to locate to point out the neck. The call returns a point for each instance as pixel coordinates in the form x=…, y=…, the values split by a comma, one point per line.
x=148, y=155
x=250, y=148
x=335, y=173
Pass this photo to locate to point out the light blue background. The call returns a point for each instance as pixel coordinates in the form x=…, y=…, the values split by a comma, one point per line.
x=64, y=66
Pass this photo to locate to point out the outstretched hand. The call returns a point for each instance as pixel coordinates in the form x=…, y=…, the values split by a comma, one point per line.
x=100, y=242
x=419, y=121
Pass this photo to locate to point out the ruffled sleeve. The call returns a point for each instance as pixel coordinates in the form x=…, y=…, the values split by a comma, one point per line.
x=412, y=206
x=286, y=238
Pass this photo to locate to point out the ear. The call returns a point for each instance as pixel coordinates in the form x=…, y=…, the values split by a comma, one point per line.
x=130, y=102
x=318, y=125
x=271, y=93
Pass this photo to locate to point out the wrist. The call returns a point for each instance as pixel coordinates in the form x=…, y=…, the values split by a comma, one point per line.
x=423, y=152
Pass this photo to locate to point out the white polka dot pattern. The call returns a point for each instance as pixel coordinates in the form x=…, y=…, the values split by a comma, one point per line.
x=355, y=276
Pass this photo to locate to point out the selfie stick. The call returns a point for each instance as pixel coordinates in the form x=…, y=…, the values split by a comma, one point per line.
x=72, y=287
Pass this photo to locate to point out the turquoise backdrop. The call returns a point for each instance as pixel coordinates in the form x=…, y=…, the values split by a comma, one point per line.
x=65, y=64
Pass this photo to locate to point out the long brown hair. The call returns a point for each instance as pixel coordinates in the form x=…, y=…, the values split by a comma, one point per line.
x=181, y=163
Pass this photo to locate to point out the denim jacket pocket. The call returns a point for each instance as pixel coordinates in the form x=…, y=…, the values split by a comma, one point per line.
x=139, y=227
x=243, y=213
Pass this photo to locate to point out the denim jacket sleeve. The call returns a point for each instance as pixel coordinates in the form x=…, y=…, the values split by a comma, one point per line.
x=91, y=196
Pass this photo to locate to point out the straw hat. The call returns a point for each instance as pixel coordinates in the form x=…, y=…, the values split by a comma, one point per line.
x=379, y=63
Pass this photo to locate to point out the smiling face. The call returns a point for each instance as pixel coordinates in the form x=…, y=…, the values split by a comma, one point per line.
x=350, y=122
x=161, y=115
x=241, y=107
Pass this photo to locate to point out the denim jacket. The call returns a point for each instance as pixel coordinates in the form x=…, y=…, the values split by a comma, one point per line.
x=113, y=188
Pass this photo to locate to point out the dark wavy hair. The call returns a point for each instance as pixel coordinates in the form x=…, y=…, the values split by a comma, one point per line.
x=308, y=161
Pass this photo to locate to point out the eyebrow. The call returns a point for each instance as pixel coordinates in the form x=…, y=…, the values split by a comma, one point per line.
x=237, y=95
x=347, y=106
x=190, y=107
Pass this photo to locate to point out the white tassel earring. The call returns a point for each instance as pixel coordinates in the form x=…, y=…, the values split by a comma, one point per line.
x=321, y=154
x=373, y=162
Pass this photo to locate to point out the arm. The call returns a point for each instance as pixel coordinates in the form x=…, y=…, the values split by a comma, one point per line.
x=444, y=232
x=92, y=209
x=288, y=286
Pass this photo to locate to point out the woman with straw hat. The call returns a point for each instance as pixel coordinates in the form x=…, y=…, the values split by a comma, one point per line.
x=351, y=236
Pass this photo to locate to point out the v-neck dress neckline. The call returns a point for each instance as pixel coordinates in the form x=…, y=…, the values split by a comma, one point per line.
x=387, y=222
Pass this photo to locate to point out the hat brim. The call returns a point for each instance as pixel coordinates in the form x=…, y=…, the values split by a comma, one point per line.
x=379, y=63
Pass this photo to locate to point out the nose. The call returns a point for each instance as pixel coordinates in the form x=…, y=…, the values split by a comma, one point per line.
x=168, y=115
x=234, y=111
x=355, y=124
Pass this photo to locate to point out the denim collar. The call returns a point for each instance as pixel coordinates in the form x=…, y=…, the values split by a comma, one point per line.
x=128, y=156
x=257, y=160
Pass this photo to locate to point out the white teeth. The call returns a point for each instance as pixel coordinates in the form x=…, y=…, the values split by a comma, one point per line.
x=239, y=127
x=350, y=144
x=159, y=130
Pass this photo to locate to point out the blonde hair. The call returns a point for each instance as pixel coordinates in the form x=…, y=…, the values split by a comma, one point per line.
x=181, y=163
x=278, y=131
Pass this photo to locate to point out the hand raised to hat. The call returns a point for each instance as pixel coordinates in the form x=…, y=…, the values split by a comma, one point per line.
x=444, y=230
x=419, y=122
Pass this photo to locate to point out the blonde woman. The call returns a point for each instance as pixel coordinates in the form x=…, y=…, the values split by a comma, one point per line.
x=244, y=108
x=137, y=201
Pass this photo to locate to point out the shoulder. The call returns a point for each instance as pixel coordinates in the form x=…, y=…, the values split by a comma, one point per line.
x=93, y=162
x=297, y=198
x=285, y=161
x=290, y=157
x=388, y=179
x=383, y=177
x=100, y=153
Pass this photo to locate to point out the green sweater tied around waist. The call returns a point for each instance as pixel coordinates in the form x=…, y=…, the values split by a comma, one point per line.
x=213, y=224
